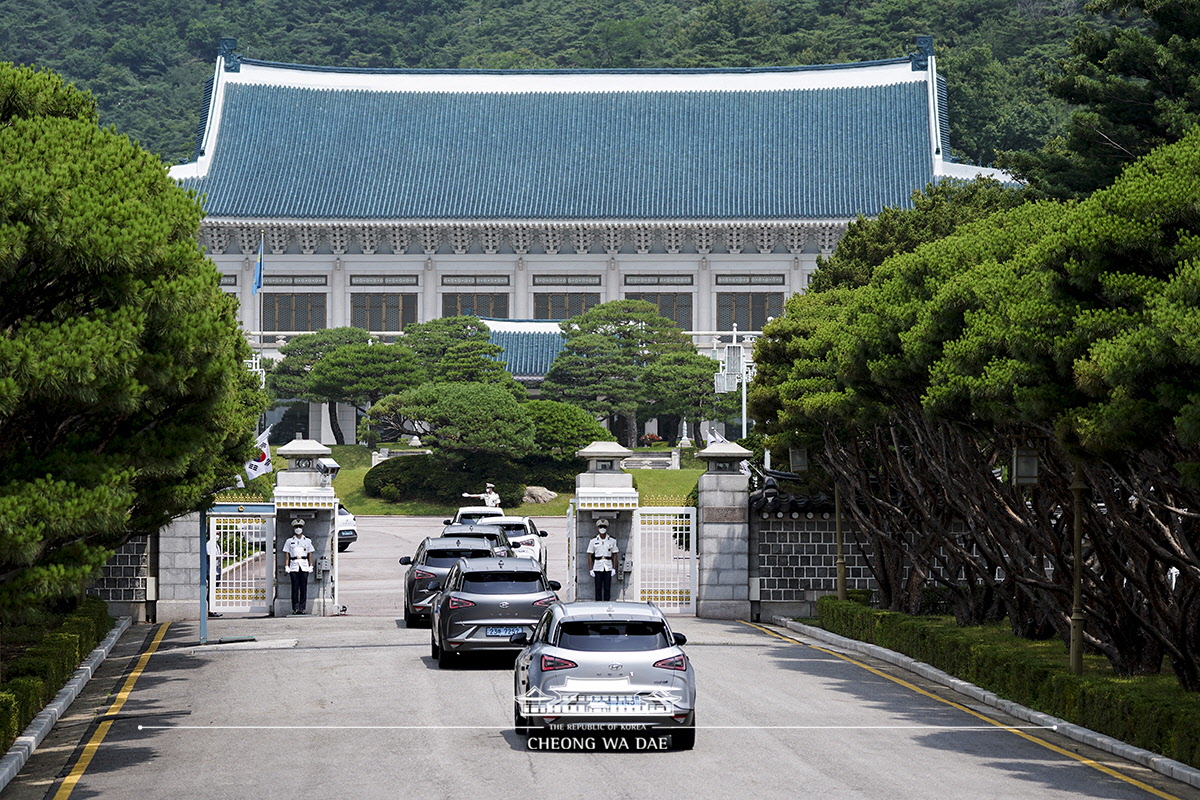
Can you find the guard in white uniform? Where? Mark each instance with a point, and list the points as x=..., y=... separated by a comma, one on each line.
x=604, y=559
x=298, y=551
x=488, y=496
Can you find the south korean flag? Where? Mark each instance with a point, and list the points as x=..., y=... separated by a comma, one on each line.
x=260, y=464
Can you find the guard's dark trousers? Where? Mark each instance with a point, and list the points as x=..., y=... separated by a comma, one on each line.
x=603, y=585
x=299, y=591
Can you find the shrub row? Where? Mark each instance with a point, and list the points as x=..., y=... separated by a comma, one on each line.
x=1158, y=722
x=32, y=680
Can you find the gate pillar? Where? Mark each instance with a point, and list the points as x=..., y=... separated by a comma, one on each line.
x=723, y=534
x=603, y=492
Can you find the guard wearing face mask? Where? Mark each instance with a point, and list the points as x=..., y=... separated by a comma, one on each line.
x=604, y=558
x=298, y=551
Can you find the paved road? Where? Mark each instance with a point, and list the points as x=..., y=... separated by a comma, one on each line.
x=354, y=707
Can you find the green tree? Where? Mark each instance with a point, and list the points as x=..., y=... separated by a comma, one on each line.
x=936, y=212
x=559, y=431
x=362, y=374
x=591, y=372
x=432, y=341
x=288, y=378
x=680, y=386
x=124, y=400
x=607, y=349
x=1135, y=89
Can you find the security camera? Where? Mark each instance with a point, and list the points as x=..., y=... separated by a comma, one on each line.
x=327, y=466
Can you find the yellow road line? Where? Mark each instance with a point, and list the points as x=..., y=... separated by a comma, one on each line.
x=1087, y=761
x=89, y=750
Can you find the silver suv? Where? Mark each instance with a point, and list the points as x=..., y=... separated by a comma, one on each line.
x=605, y=666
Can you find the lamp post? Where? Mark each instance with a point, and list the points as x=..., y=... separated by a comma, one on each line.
x=1077, y=488
x=737, y=369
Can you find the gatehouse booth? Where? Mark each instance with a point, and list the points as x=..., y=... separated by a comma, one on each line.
x=304, y=490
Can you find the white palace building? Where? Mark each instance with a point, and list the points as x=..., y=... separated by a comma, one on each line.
x=386, y=197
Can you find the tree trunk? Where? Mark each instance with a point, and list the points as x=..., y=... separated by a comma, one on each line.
x=334, y=426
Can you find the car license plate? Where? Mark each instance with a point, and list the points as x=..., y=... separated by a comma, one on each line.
x=508, y=630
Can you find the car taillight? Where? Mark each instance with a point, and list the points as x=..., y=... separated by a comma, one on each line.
x=523, y=542
x=421, y=575
x=458, y=602
x=545, y=601
x=678, y=662
x=551, y=663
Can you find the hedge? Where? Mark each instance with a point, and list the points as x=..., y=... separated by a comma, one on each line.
x=1117, y=707
x=32, y=680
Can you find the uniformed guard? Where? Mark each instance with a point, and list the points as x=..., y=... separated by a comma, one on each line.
x=604, y=558
x=488, y=496
x=298, y=551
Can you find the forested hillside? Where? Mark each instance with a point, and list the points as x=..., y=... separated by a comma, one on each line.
x=146, y=60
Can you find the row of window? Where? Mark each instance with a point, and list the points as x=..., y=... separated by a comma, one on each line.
x=391, y=312
x=502, y=280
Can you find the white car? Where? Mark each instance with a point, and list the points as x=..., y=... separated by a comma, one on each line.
x=347, y=528
x=469, y=515
x=524, y=535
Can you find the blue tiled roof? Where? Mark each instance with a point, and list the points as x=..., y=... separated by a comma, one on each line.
x=286, y=152
x=528, y=354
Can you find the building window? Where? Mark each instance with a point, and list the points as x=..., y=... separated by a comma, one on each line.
x=474, y=280
x=675, y=307
x=566, y=280
x=293, y=312
x=382, y=312
x=294, y=280
x=383, y=280
x=475, y=304
x=658, y=280
x=743, y=280
x=561, y=305
x=748, y=310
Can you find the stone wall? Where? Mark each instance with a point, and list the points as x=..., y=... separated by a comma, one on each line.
x=123, y=580
x=796, y=562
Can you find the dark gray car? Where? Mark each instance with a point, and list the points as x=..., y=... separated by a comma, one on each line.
x=484, y=601
x=501, y=546
x=605, y=666
x=432, y=562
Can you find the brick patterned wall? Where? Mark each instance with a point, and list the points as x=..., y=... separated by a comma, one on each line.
x=799, y=556
x=123, y=578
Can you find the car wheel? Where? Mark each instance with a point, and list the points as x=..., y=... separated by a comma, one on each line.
x=434, y=650
x=685, y=738
x=444, y=658
x=410, y=619
x=519, y=722
x=343, y=547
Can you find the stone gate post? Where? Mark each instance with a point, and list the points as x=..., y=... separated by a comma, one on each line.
x=723, y=534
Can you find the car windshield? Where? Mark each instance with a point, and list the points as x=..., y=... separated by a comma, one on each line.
x=446, y=558
x=608, y=635
x=503, y=582
x=471, y=519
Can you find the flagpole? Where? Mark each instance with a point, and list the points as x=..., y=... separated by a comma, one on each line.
x=258, y=276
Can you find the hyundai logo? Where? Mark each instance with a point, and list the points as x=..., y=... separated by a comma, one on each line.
x=504, y=604
x=615, y=667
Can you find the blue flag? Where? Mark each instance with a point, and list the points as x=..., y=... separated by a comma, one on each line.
x=258, y=268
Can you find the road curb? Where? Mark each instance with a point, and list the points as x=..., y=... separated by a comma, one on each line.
x=35, y=733
x=1160, y=764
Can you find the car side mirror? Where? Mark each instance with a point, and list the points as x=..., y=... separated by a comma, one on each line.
x=543, y=534
x=680, y=640
x=406, y=560
x=445, y=522
x=521, y=638
x=554, y=585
